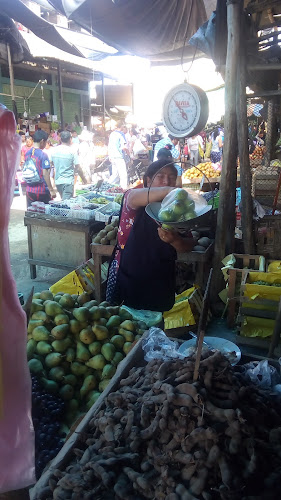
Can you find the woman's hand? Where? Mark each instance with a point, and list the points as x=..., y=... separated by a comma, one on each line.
x=168, y=236
x=172, y=237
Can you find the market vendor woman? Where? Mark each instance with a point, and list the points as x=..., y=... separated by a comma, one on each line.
x=142, y=271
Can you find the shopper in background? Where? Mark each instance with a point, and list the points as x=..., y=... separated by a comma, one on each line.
x=86, y=157
x=194, y=143
x=173, y=141
x=117, y=148
x=65, y=162
x=42, y=190
x=216, y=151
x=75, y=138
x=26, y=145
x=173, y=144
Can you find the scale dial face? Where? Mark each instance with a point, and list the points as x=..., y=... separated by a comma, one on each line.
x=185, y=110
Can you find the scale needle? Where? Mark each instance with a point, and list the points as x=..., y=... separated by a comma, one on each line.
x=182, y=112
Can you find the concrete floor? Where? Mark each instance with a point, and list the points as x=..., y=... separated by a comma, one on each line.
x=19, y=254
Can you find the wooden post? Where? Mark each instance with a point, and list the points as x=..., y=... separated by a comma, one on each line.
x=60, y=95
x=228, y=175
x=243, y=147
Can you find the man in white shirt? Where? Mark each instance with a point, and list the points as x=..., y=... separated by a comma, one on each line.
x=117, y=147
x=193, y=146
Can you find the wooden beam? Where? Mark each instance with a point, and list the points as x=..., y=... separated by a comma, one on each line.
x=227, y=186
x=243, y=149
x=262, y=5
x=265, y=93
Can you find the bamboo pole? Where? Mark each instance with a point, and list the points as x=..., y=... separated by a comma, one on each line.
x=269, y=132
x=227, y=186
x=243, y=148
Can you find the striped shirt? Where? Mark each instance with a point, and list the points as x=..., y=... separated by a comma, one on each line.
x=42, y=162
x=161, y=144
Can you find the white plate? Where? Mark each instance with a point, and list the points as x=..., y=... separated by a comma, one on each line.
x=223, y=345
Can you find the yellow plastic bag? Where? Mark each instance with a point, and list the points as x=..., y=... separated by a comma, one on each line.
x=69, y=284
x=257, y=327
x=274, y=267
x=181, y=314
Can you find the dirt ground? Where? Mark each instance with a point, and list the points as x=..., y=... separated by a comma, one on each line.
x=19, y=254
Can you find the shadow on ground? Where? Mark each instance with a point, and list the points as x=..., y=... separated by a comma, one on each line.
x=19, y=254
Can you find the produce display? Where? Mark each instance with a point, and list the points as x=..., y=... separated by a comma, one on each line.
x=202, y=244
x=99, y=201
x=74, y=346
x=176, y=206
x=118, y=198
x=207, y=169
x=258, y=153
x=265, y=283
x=162, y=436
x=108, y=235
x=47, y=416
x=116, y=189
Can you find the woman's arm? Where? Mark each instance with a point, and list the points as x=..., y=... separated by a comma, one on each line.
x=220, y=142
x=140, y=198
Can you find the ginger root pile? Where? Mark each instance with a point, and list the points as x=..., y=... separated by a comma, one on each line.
x=161, y=436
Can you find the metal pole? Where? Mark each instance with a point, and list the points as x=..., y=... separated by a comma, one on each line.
x=103, y=99
x=12, y=83
x=60, y=95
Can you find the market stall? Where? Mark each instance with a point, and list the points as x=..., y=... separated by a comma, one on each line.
x=51, y=227
x=48, y=241
x=192, y=421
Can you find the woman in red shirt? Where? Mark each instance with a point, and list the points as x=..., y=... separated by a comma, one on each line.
x=142, y=270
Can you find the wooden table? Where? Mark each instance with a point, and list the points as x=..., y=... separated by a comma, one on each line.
x=104, y=252
x=99, y=253
x=58, y=242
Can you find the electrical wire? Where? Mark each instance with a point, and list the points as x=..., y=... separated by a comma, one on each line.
x=183, y=47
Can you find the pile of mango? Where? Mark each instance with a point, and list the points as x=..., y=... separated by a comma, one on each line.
x=75, y=345
x=207, y=169
x=108, y=235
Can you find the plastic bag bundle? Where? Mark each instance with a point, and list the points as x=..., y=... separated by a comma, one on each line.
x=16, y=430
x=158, y=346
x=181, y=205
x=262, y=374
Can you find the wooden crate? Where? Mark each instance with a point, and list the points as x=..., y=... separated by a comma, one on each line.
x=236, y=274
x=268, y=236
x=65, y=455
x=249, y=307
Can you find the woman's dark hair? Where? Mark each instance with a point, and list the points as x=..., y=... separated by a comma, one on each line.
x=155, y=167
x=165, y=153
x=216, y=133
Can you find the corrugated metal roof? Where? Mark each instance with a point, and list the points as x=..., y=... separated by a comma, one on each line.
x=43, y=50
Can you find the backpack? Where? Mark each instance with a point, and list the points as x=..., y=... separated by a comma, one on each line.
x=29, y=172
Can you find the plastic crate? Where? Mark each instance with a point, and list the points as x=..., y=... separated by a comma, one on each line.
x=104, y=213
x=70, y=213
